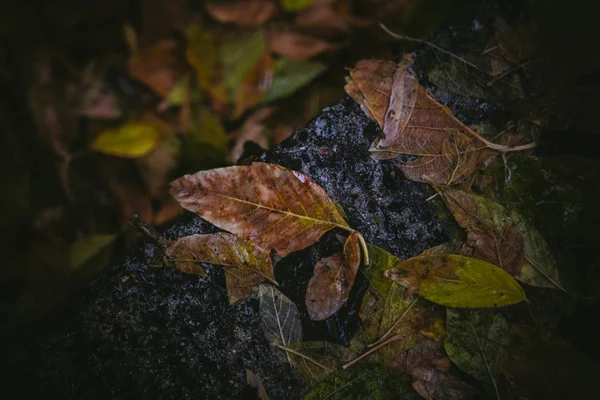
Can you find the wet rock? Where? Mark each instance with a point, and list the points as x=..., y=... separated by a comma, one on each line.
x=139, y=331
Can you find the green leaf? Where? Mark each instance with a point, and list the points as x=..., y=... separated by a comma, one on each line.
x=178, y=94
x=314, y=361
x=290, y=76
x=88, y=247
x=457, y=281
x=365, y=381
x=280, y=317
x=295, y=5
x=239, y=56
x=132, y=140
x=206, y=143
x=477, y=341
x=381, y=261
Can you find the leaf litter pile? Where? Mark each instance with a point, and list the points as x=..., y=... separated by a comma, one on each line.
x=461, y=320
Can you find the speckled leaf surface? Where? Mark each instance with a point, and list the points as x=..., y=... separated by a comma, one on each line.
x=279, y=315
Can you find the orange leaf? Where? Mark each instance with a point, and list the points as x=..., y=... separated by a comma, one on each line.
x=246, y=13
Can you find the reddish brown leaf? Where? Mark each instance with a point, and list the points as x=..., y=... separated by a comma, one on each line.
x=329, y=287
x=158, y=67
x=246, y=13
x=428, y=365
x=274, y=207
x=370, y=85
x=322, y=20
x=297, y=46
x=240, y=283
x=352, y=252
x=252, y=130
x=256, y=84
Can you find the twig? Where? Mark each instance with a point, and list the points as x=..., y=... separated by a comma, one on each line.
x=374, y=349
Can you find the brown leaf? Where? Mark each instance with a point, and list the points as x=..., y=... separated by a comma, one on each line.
x=329, y=287
x=253, y=380
x=234, y=253
x=416, y=124
x=322, y=20
x=158, y=67
x=297, y=46
x=252, y=130
x=240, y=283
x=427, y=363
x=256, y=84
x=272, y=206
x=370, y=85
x=245, y=13
x=352, y=252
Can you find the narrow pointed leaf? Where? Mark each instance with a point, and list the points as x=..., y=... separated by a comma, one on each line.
x=362, y=382
x=477, y=341
x=314, y=361
x=457, y=281
x=279, y=315
x=272, y=206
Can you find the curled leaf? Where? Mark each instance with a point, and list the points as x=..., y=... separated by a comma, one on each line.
x=281, y=321
x=329, y=287
x=476, y=342
x=245, y=13
x=457, y=281
x=272, y=206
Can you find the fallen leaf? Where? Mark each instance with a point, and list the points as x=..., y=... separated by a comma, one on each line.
x=156, y=166
x=253, y=380
x=295, y=5
x=364, y=381
x=244, y=13
x=320, y=19
x=280, y=318
x=240, y=282
x=205, y=144
x=457, y=281
x=252, y=200
x=297, y=46
x=370, y=85
x=252, y=130
x=476, y=342
x=221, y=248
x=329, y=287
x=132, y=140
x=351, y=253
x=158, y=67
x=429, y=366
x=381, y=261
x=503, y=238
x=88, y=247
x=256, y=84
x=314, y=361
x=290, y=76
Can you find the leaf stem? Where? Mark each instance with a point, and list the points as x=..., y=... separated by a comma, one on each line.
x=374, y=349
x=288, y=350
x=365, y=249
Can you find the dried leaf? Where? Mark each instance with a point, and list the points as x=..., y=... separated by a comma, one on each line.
x=290, y=76
x=240, y=282
x=280, y=317
x=503, y=238
x=365, y=381
x=320, y=19
x=156, y=166
x=158, y=67
x=253, y=380
x=457, y=281
x=476, y=342
x=256, y=84
x=329, y=287
x=370, y=85
x=351, y=253
x=245, y=13
x=314, y=361
x=252, y=130
x=221, y=249
x=427, y=363
x=272, y=206
x=297, y=46
x=132, y=140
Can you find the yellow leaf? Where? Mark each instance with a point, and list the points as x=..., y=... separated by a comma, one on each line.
x=133, y=140
x=83, y=250
x=457, y=281
x=295, y=5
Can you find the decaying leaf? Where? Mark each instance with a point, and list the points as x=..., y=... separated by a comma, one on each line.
x=255, y=85
x=158, y=67
x=314, y=361
x=476, y=342
x=351, y=253
x=253, y=380
x=322, y=20
x=279, y=315
x=370, y=85
x=502, y=238
x=245, y=13
x=457, y=281
x=239, y=283
x=329, y=287
x=429, y=366
x=272, y=206
x=132, y=140
x=290, y=76
x=364, y=381
x=297, y=46
x=232, y=252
